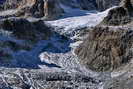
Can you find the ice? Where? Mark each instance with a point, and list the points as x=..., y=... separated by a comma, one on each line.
x=74, y=19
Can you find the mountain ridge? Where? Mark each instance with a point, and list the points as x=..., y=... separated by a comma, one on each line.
x=66, y=44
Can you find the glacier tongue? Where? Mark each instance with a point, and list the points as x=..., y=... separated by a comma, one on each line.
x=56, y=54
x=72, y=21
x=69, y=25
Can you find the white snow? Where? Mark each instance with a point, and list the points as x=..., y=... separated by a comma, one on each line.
x=76, y=18
x=8, y=12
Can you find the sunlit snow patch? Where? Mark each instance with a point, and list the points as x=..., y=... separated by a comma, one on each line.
x=75, y=18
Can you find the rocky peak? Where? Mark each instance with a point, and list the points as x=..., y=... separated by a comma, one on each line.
x=37, y=8
x=128, y=4
x=52, y=9
x=106, y=48
x=120, y=15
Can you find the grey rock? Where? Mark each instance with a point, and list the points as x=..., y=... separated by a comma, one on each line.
x=21, y=34
x=120, y=15
x=23, y=29
x=105, y=4
x=38, y=79
x=106, y=48
x=50, y=9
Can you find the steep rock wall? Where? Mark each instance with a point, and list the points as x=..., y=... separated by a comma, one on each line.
x=106, y=48
x=120, y=15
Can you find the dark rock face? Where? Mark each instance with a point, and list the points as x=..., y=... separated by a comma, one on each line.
x=105, y=4
x=21, y=30
x=10, y=4
x=52, y=9
x=106, y=48
x=91, y=4
x=120, y=15
x=117, y=16
x=36, y=8
x=2, y=1
x=120, y=82
x=87, y=4
x=100, y=5
x=24, y=6
x=13, y=4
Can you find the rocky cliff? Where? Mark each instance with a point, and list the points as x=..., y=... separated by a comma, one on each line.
x=104, y=4
x=106, y=48
x=41, y=8
x=35, y=8
x=120, y=15
x=105, y=38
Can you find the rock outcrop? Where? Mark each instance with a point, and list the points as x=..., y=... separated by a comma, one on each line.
x=20, y=34
x=13, y=4
x=120, y=15
x=87, y=4
x=23, y=29
x=91, y=4
x=106, y=48
x=105, y=4
x=50, y=9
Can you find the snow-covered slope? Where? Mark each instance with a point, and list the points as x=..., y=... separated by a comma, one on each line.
x=75, y=19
